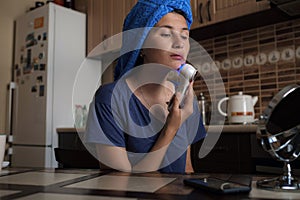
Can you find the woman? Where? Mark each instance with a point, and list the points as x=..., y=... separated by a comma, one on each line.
x=130, y=124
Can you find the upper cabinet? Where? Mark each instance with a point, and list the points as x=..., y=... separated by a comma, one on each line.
x=207, y=12
x=105, y=19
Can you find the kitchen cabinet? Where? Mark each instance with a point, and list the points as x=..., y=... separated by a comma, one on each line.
x=71, y=152
x=237, y=151
x=228, y=9
x=231, y=154
x=105, y=19
x=206, y=12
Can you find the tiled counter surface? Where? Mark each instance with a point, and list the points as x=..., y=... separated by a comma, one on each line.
x=110, y=185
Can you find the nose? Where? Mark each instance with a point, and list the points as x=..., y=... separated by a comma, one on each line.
x=178, y=42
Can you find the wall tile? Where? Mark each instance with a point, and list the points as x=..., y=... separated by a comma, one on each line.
x=263, y=80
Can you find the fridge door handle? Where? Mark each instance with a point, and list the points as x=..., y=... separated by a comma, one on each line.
x=11, y=87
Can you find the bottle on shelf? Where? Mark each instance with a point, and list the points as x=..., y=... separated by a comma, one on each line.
x=78, y=116
x=84, y=116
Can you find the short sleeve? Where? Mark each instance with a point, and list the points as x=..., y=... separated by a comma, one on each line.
x=102, y=127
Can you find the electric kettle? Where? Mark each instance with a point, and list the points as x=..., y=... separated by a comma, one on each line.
x=240, y=108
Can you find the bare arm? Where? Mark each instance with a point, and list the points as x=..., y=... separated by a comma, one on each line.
x=116, y=157
x=189, y=166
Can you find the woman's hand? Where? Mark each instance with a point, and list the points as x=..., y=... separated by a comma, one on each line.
x=178, y=115
x=188, y=108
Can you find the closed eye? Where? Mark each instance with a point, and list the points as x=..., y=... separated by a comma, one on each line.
x=184, y=37
x=165, y=34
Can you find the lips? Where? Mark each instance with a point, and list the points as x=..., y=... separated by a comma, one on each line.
x=177, y=57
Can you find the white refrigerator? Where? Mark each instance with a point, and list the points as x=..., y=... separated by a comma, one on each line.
x=50, y=45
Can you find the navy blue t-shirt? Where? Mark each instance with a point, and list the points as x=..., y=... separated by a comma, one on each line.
x=118, y=118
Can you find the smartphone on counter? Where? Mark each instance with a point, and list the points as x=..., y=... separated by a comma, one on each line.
x=235, y=184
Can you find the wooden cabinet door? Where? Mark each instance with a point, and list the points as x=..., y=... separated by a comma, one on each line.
x=195, y=11
x=206, y=12
x=105, y=19
x=118, y=17
x=231, y=154
x=97, y=30
x=228, y=9
x=203, y=13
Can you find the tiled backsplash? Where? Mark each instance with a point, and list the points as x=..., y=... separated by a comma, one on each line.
x=259, y=61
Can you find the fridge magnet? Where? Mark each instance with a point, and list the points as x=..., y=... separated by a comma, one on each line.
x=35, y=67
x=39, y=79
x=42, y=67
x=27, y=69
x=30, y=40
x=33, y=89
x=39, y=22
x=44, y=36
x=35, y=60
x=41, y=55
x=41, y=90
x=29, y=37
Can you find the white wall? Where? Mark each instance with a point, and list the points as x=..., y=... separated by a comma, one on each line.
x=9, y=11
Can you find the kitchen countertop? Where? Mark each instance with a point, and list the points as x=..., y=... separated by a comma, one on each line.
x=233, y=128
x=69, y=130
x=79, y=184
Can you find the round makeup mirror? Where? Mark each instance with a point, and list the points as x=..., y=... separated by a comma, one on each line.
x=279, y=134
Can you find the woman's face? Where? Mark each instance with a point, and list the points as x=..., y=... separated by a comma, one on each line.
x=168, y=42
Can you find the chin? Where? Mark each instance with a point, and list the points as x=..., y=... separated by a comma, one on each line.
x=173, y=64
x=176, y=65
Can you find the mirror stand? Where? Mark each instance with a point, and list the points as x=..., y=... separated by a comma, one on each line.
x=284, y=182
x=279, y=135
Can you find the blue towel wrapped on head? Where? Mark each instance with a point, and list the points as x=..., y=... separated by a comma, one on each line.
x=145, y=14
